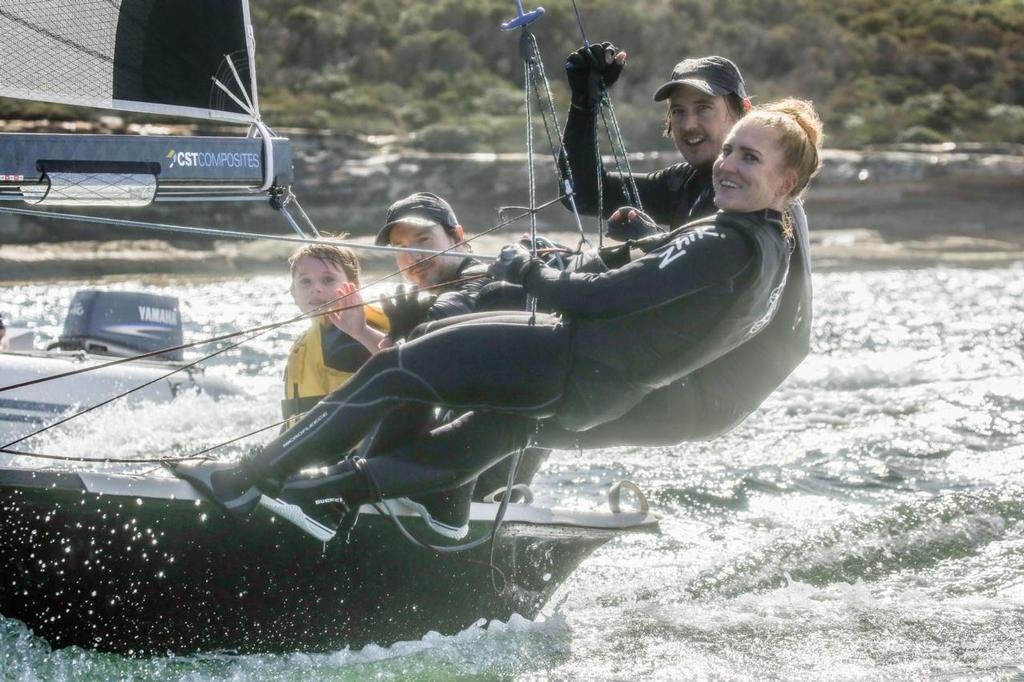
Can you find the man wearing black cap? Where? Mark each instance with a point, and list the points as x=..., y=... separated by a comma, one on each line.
x=706, y=96
x=458, y=280
x=426, y=221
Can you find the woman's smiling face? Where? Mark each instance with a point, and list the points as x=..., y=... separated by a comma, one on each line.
x=750, y=174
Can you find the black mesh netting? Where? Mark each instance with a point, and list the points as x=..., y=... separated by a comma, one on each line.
x=148, y=55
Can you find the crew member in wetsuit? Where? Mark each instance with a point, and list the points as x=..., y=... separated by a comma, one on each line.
x=706, y=96
x=714, y=286
x=426, y=221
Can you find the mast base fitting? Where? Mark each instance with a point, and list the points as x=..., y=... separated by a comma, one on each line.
x=279, y=197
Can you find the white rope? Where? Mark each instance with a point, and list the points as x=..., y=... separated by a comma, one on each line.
x=268, y=155
x=226, y=234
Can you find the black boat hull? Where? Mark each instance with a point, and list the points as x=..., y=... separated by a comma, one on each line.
x=140, y=566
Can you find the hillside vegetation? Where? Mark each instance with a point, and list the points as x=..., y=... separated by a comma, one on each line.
x=441, y=76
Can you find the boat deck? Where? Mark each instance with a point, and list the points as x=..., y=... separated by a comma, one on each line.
x=140, y=564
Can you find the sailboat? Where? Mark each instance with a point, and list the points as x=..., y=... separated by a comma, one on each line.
x=186, y=58
x=140, y=564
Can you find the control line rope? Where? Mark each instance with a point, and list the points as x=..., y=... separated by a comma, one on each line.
x=273, y=325
x=255, y=332
x=616, y=143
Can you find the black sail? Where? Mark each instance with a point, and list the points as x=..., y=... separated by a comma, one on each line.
x=156, y=56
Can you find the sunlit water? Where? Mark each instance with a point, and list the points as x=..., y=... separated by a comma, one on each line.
x=866, y=523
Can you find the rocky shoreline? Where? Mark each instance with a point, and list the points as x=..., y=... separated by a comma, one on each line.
x=891, y=207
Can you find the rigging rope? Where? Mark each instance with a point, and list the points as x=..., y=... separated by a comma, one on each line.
x=255, y=331
x=579, y=23
x=618, y=146
x=536, y=84
x=273, y=325
x=156, y=460
x=530, y=175
x=258, y=332
x=64, y=420
x=616, y=143
x=546, y=103
x=230, y=234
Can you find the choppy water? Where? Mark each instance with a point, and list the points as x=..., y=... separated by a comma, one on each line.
x=866, y=523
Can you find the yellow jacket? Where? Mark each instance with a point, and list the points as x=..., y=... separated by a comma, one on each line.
x=322, y=359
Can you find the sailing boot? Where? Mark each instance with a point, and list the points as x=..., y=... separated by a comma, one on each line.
x=445, y=512
x=234, y=487
x=321, y=504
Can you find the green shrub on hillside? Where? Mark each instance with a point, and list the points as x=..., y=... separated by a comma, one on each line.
x=879, y=71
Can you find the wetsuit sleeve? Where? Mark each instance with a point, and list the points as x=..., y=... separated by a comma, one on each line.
x=341, y=352
x=451, y=303
x=692, y=261
x=458, y=302
x=578, y=140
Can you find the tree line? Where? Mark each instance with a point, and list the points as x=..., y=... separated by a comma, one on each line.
x=440, y=76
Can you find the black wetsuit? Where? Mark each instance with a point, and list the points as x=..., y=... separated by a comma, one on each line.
x=460, y=298
x=671, y=196
x=623, y=335
x=702, y=405
x=409, y=422
x=719, y=396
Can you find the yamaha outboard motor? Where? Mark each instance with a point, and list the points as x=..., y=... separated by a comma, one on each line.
x=122, y=323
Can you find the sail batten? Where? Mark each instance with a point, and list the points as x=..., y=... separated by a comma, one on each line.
x=149, y=56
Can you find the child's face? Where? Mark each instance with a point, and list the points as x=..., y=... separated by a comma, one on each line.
x=315, y=282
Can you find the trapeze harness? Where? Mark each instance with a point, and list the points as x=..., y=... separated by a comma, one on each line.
x=322, y=359
x=622, y=335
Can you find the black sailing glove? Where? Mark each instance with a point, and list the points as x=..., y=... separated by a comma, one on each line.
x=614, y=256
x=586, y=68
x=513, y=265
x=551, y=253
x=405, y=309
x=631, y=223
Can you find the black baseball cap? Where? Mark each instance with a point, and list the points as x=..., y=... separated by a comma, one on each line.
x=716, y=76
x=422, y=208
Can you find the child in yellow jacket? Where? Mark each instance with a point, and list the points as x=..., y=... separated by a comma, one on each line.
x=337, y=344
